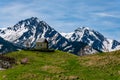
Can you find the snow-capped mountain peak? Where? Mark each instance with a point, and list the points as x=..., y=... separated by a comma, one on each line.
x=27, y=27
x=83, y=28
x=85, y=39
x=94, y=39
x=32, y=29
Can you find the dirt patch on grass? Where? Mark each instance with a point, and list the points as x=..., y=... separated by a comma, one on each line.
x=119, y=72
x=28, y=76
x=52, y=69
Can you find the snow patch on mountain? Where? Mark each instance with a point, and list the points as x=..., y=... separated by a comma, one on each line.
x=117, y=48
x=12, y=34
x=107, y=44
x=66, y=35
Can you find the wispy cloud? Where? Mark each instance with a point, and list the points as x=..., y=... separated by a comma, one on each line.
x=103, y=14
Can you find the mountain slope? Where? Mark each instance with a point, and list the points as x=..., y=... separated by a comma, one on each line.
x=94, y=39
x=6, y=46
x=29, y=30
x=60, y=65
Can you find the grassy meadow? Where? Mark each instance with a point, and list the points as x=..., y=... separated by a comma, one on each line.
x=60, y=65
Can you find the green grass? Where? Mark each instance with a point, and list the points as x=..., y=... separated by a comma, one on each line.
x=63, y=66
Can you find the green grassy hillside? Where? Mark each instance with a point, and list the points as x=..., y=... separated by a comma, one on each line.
x=63, y=66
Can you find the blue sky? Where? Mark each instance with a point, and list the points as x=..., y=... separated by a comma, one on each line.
x=65, y=15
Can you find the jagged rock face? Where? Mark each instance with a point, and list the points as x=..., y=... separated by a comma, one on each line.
x=94, y=39
x=31, y=29
x=115, y=43
x=87, y=50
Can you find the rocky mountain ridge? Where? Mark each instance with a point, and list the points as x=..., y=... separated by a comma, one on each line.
x=82, y=40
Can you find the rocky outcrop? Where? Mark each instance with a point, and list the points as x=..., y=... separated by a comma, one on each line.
x=6, y=62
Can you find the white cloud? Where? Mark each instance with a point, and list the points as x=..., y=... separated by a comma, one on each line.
x=103, y=14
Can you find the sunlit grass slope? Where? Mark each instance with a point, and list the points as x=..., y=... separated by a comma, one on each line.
x=63, y=66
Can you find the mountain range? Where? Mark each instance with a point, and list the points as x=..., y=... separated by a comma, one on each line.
x=92, y=38
x=80, y=42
